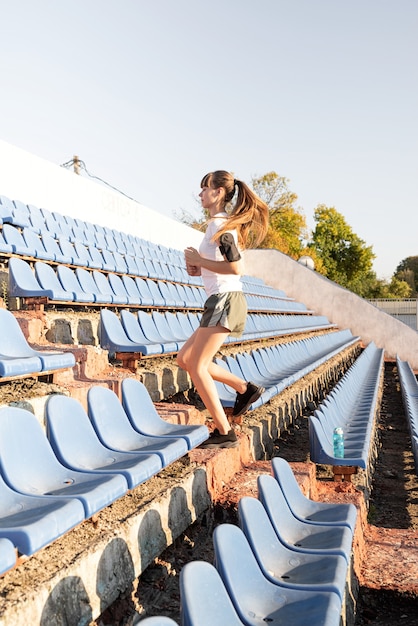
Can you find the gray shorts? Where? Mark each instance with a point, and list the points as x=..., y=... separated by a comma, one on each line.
x=226, y=309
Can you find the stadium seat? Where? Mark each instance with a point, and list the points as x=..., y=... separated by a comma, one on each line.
x=114, y=338
x=49, y=281
x=30, y=466
x=32, y=522
x=115, y=431
x=118, y=287
x=303, y=508
x=298, y=535
x=134, y=332
x=77, y=446
x=104, y=287
x=88, y=284
x=204, y=598
x=70, y=282
x=13, y=346
x=256, y=599
x=152, y=333
x=145, y=419
x=284, y=565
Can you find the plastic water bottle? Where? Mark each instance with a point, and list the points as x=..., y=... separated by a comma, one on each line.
x=338, y=439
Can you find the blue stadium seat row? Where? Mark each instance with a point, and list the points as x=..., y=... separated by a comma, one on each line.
x=409, y=389
x=278, y=565
x=352, y=405
x=50, y=482
x=81, y=286
x=18, y=358
x=281, y=365
x=161, y=332
x=50, y=236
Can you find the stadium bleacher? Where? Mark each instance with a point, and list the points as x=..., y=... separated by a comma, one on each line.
x=289, y=556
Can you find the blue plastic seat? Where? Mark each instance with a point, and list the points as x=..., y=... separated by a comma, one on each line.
x=158, y=298
x=134, y=332
x=144, y=291
x=116, y=432
x=298, y=535
x=171, y=299
x=303, y=508
x=49, y=281
x=68, y=250
x=132, y=290
x=145, y=419
x=104, y=287
x=113, y=336
x=284, y=565
x=50, y=244
x=35, y=243
x=118, y=287
x=256, y=599
x=14, y=238
x=166, y=331
x=95, y=259
x=6, y=210
x=204, y=598
x=32, y=522
x=13, y=345
x=151, y=332
x=88, y=284
x=23, y=283
x=70, y=282
x=7, y=555
x=77, y=446
x=30, y=466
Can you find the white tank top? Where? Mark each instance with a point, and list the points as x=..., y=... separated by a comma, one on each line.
x=213, y=282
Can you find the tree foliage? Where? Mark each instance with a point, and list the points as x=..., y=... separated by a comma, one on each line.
x=407, y=271
x=287, y=226
x=347, y=259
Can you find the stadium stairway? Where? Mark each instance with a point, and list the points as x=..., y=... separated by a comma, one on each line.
x=74, y=579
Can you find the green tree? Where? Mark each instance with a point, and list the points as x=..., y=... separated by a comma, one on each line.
x=346, y=258
x=287, y=227
x=407, y=270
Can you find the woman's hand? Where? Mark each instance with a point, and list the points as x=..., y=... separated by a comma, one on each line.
x=192, y=257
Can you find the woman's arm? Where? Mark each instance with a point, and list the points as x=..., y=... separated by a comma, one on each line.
x=193, y=258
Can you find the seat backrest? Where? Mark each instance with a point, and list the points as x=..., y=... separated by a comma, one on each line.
x=48, y=279
x=200, y=584
x=70, y=282
x=109, y=417
x=27, y=461
x=132, y=328
x=22, y=280
x=112, y=334
x=138, y=405
x=273, y=500
x=12, y=340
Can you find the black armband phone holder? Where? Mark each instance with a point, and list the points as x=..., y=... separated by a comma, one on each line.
x=228, y=247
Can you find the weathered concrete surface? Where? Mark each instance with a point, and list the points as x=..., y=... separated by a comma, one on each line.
x=342, y=307
x=87, y=581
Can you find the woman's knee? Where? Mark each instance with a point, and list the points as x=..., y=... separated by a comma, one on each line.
x=181, y=361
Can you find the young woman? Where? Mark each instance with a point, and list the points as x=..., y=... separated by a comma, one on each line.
x=219, y=262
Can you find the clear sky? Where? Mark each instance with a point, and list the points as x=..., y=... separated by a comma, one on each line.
x=152, y=94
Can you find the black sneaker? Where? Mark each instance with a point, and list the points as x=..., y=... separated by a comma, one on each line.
x=245, y=400
x=216, y=440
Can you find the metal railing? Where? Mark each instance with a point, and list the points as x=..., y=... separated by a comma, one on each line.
x=403, y=309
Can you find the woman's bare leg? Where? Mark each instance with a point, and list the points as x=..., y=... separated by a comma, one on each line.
x=196, y=357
